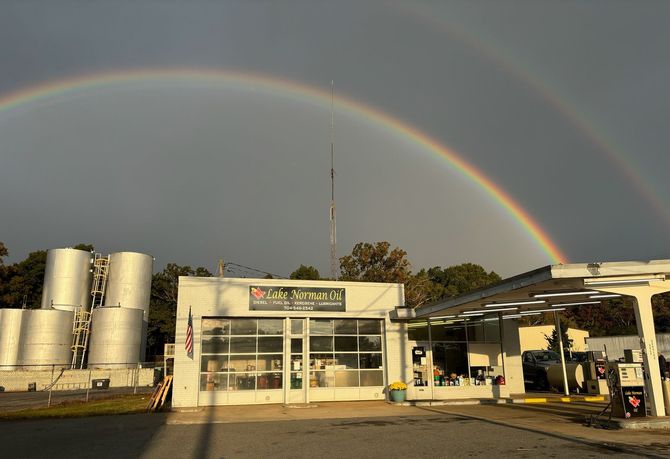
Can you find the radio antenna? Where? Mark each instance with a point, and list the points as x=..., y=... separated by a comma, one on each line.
x=333, y=225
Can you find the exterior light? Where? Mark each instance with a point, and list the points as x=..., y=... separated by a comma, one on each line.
x=500, y=309
x=514, y=303
x=513, y=316
x=551, y=295
x=624, y=281
x=580, y=303
x=443, y=317
x=546, y=310
x=472, y=314
x=609, y=295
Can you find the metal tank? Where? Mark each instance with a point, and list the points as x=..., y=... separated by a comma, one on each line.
x=67, y=279
x=129, y=286
x=116, y=337
x=46, y=338
x=10, y=337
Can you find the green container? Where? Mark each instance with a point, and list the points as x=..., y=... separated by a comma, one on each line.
x=398, y=395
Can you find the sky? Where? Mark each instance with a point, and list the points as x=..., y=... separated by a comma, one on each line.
x=562, y=106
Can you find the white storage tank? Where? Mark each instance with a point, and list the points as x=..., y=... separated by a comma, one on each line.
x=10, y=336
x=46, y=339
x=67, y=279
x=129, y=286
x=116, y=337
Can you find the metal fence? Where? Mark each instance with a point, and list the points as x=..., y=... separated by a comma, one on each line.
x=40, y=385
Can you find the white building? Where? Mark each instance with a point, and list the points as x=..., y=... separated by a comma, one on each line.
x=294, y=341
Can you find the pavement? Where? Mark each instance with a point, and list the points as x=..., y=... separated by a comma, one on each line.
x=561, y=419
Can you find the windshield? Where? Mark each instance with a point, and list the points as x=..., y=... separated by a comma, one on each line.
x=546, y=355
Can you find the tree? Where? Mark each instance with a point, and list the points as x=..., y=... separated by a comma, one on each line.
x=306, y=273
x=375, y=263
x=24, y=280
x=553, y=342
x=459, y=279
x=163, y=307
x=85, y=247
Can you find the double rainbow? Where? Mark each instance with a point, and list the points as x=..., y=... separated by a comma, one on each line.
x=245, y=81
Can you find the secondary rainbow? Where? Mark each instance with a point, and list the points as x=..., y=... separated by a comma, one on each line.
x=294, y=90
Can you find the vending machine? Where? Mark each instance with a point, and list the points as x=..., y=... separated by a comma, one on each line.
x=628, y=396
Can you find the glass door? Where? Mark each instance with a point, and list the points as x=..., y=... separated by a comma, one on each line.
x=296, y=371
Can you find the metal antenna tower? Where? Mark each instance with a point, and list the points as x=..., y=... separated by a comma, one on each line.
x=333, y=225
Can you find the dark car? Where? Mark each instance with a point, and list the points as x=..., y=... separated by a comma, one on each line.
x=535, y=365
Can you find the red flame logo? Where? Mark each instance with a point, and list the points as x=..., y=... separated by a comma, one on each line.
x=257, y=293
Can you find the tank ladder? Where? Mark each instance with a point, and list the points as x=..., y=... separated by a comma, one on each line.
x=82, y=320
x=80, y=330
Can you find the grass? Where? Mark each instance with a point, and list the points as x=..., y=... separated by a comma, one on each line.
x=125, y=404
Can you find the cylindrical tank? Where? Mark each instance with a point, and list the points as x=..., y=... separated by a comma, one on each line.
x=116, y=337
x=575, y=374
x=129, y=280
x=129, y=286
x=67, y=279
x=10, y=337
x=46, y=338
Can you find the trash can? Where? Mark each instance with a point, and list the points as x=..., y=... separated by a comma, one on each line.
x=158, y=375
x=32, y=387
x=100, y=384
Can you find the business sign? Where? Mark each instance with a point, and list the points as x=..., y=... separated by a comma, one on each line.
x=272, y=298
x=633, y=401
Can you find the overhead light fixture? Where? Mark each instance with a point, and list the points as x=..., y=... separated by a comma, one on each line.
x=623, y=281
x=472, y=314
x=545, y=310
x=609, y=295
x=514, y=308
x=514, y=303
x=551, y=295
x=530, y=313
x=443, y=317
x=579, y=303
x=512, y=316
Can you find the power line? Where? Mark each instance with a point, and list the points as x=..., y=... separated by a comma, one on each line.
x=249, y=271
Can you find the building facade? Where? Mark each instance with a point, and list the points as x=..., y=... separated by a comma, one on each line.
x=260, y=341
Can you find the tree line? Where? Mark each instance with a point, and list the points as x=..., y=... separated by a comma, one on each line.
x=21, y=284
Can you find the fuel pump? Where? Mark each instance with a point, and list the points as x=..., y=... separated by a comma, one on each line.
x=628, y=395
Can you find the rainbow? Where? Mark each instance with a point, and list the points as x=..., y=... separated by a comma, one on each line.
x=294, y=90
x=559, y=101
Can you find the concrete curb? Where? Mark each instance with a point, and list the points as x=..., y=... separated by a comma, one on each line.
x=501, y=401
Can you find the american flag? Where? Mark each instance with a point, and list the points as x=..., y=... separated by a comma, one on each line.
x=189, y=335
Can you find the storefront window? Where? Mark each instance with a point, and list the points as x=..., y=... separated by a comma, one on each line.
x=450, y=364
x=465, y=352
x=238, y=354
x=417, y=331
x=343, y=356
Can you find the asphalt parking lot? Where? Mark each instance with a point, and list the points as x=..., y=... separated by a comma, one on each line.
x=355, y=429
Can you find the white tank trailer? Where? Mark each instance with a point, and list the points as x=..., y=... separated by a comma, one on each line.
x=125, y=315
x=67, y=279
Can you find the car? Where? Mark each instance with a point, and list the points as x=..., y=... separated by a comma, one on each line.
x=535, y=366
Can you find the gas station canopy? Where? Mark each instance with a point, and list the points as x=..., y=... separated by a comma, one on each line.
x=553, y=287
x=558, y=287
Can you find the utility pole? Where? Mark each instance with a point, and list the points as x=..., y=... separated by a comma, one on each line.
x=333, y=225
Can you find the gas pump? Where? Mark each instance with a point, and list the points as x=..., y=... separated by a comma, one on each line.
x=628, y=396
x=596, y=373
